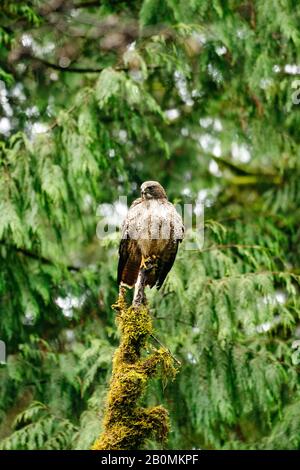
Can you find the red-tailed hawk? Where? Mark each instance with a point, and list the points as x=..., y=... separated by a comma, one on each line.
x=151, y=233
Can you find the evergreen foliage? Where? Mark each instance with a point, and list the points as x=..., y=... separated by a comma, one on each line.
x=93, y=101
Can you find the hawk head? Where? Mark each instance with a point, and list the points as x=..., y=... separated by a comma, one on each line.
x=152, y=190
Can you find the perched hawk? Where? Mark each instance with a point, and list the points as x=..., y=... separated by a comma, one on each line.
x=151, y=233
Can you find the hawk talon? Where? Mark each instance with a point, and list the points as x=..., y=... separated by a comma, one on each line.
x=147, y=263
x=148, y=267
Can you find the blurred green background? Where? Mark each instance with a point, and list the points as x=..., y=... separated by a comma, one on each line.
x=95, y=98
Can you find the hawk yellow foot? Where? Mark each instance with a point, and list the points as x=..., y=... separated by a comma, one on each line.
x=148, y=263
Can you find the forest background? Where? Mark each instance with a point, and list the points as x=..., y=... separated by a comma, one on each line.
x=95, y=98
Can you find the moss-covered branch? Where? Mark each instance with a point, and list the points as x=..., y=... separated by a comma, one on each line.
x=126, y=424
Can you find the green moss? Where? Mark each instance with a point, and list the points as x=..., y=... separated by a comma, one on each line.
x=126, y=424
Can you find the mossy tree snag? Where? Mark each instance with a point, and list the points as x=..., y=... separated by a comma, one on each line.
x=126, y=424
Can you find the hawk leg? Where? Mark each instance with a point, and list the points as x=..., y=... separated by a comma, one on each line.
x=149, y=263
x=139, y=297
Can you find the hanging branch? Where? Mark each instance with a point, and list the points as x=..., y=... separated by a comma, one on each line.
x=126, y=424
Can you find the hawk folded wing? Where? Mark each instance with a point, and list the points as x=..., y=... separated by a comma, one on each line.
x=130, y=256
x=129, y=262
x=166, y=261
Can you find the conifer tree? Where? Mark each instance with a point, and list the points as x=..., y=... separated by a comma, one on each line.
x=95, y=98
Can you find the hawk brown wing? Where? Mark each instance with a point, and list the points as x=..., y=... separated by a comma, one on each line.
x=166, y=262
x=129, y=255
x=167, y=258
x=129, y=262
